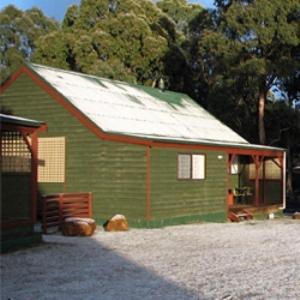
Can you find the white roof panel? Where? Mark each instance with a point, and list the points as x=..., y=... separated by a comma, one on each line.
x=117, y=107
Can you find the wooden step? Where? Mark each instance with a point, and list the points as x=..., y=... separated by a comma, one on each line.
x=238, y=215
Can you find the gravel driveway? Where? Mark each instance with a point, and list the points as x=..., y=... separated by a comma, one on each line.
x=257, y=260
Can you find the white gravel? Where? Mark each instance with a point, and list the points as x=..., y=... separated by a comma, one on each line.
x=258, y=260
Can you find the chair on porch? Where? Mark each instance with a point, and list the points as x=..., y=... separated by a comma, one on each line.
x=242, y=193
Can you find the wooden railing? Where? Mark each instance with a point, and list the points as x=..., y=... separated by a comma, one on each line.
x=57, y=207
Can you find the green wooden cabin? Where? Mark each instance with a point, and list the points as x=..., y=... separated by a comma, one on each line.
x=155, y=156
x=18, y=146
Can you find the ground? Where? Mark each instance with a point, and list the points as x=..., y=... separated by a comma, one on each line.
x=255, y=260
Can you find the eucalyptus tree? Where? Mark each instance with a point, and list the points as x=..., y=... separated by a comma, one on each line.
x=19, y=31
x=181, y=12
x=124, y=40
x=250, y=46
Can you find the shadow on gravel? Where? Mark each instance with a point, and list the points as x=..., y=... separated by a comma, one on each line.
x=65, y=268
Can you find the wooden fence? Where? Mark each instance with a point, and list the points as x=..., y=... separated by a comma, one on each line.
x=57, y=207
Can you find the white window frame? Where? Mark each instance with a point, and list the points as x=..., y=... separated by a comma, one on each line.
x=193, y=173
x=235, y=166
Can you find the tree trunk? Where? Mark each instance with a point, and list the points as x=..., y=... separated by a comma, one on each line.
x=261, y=116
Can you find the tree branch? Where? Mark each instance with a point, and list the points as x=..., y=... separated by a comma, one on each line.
x=279, y=138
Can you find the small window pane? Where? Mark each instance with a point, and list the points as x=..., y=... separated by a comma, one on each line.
x=184, y=166
x=235, y=166
x=198, y=166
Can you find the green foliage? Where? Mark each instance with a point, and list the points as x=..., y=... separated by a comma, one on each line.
x=181, y=12
x=176, y=68
x=54, y=48
x=135, y=41
x=249, y=43
x=283, y=123
x=125, y=40
x=18, y=34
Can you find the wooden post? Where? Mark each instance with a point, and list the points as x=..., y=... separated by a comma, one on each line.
x=60, y=208
x=283, y=180
x=148, y=183
x=44, y=214
x=33, y=181
x=256, y=194
x=257, y=163
x=229, y=181
x=282, y=163
x=90, y=204
x=263, y=180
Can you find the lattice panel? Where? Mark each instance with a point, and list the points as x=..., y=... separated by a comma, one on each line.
x=51, y=159
x=15, y=155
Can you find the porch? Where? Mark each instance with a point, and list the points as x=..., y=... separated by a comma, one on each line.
x=256, y=181
x=18, y=147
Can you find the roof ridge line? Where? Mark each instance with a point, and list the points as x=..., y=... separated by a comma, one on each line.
x=138, y=85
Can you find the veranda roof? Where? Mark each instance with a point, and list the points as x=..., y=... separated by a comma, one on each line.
x=9, y=119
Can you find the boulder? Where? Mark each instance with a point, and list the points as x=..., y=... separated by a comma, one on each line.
x=116, y=223
x=78, y=226
x=296, y=215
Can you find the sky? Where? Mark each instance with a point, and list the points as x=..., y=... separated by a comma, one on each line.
x=57, y=8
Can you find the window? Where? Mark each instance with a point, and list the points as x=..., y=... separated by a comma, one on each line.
x=198, y=166
x=191, y=166
x=51, y=159
x=184, y=166
x=235, y=165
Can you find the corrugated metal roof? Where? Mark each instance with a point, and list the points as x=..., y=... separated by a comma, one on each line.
x=19, y=121
x=134, y=110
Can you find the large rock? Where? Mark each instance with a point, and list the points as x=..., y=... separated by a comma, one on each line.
x=116, y=223
x=78, y=226
x=296, y=215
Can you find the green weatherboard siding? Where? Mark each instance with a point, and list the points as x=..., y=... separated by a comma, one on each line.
x=116, y=172
x=171, y=197
x=15, y=193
